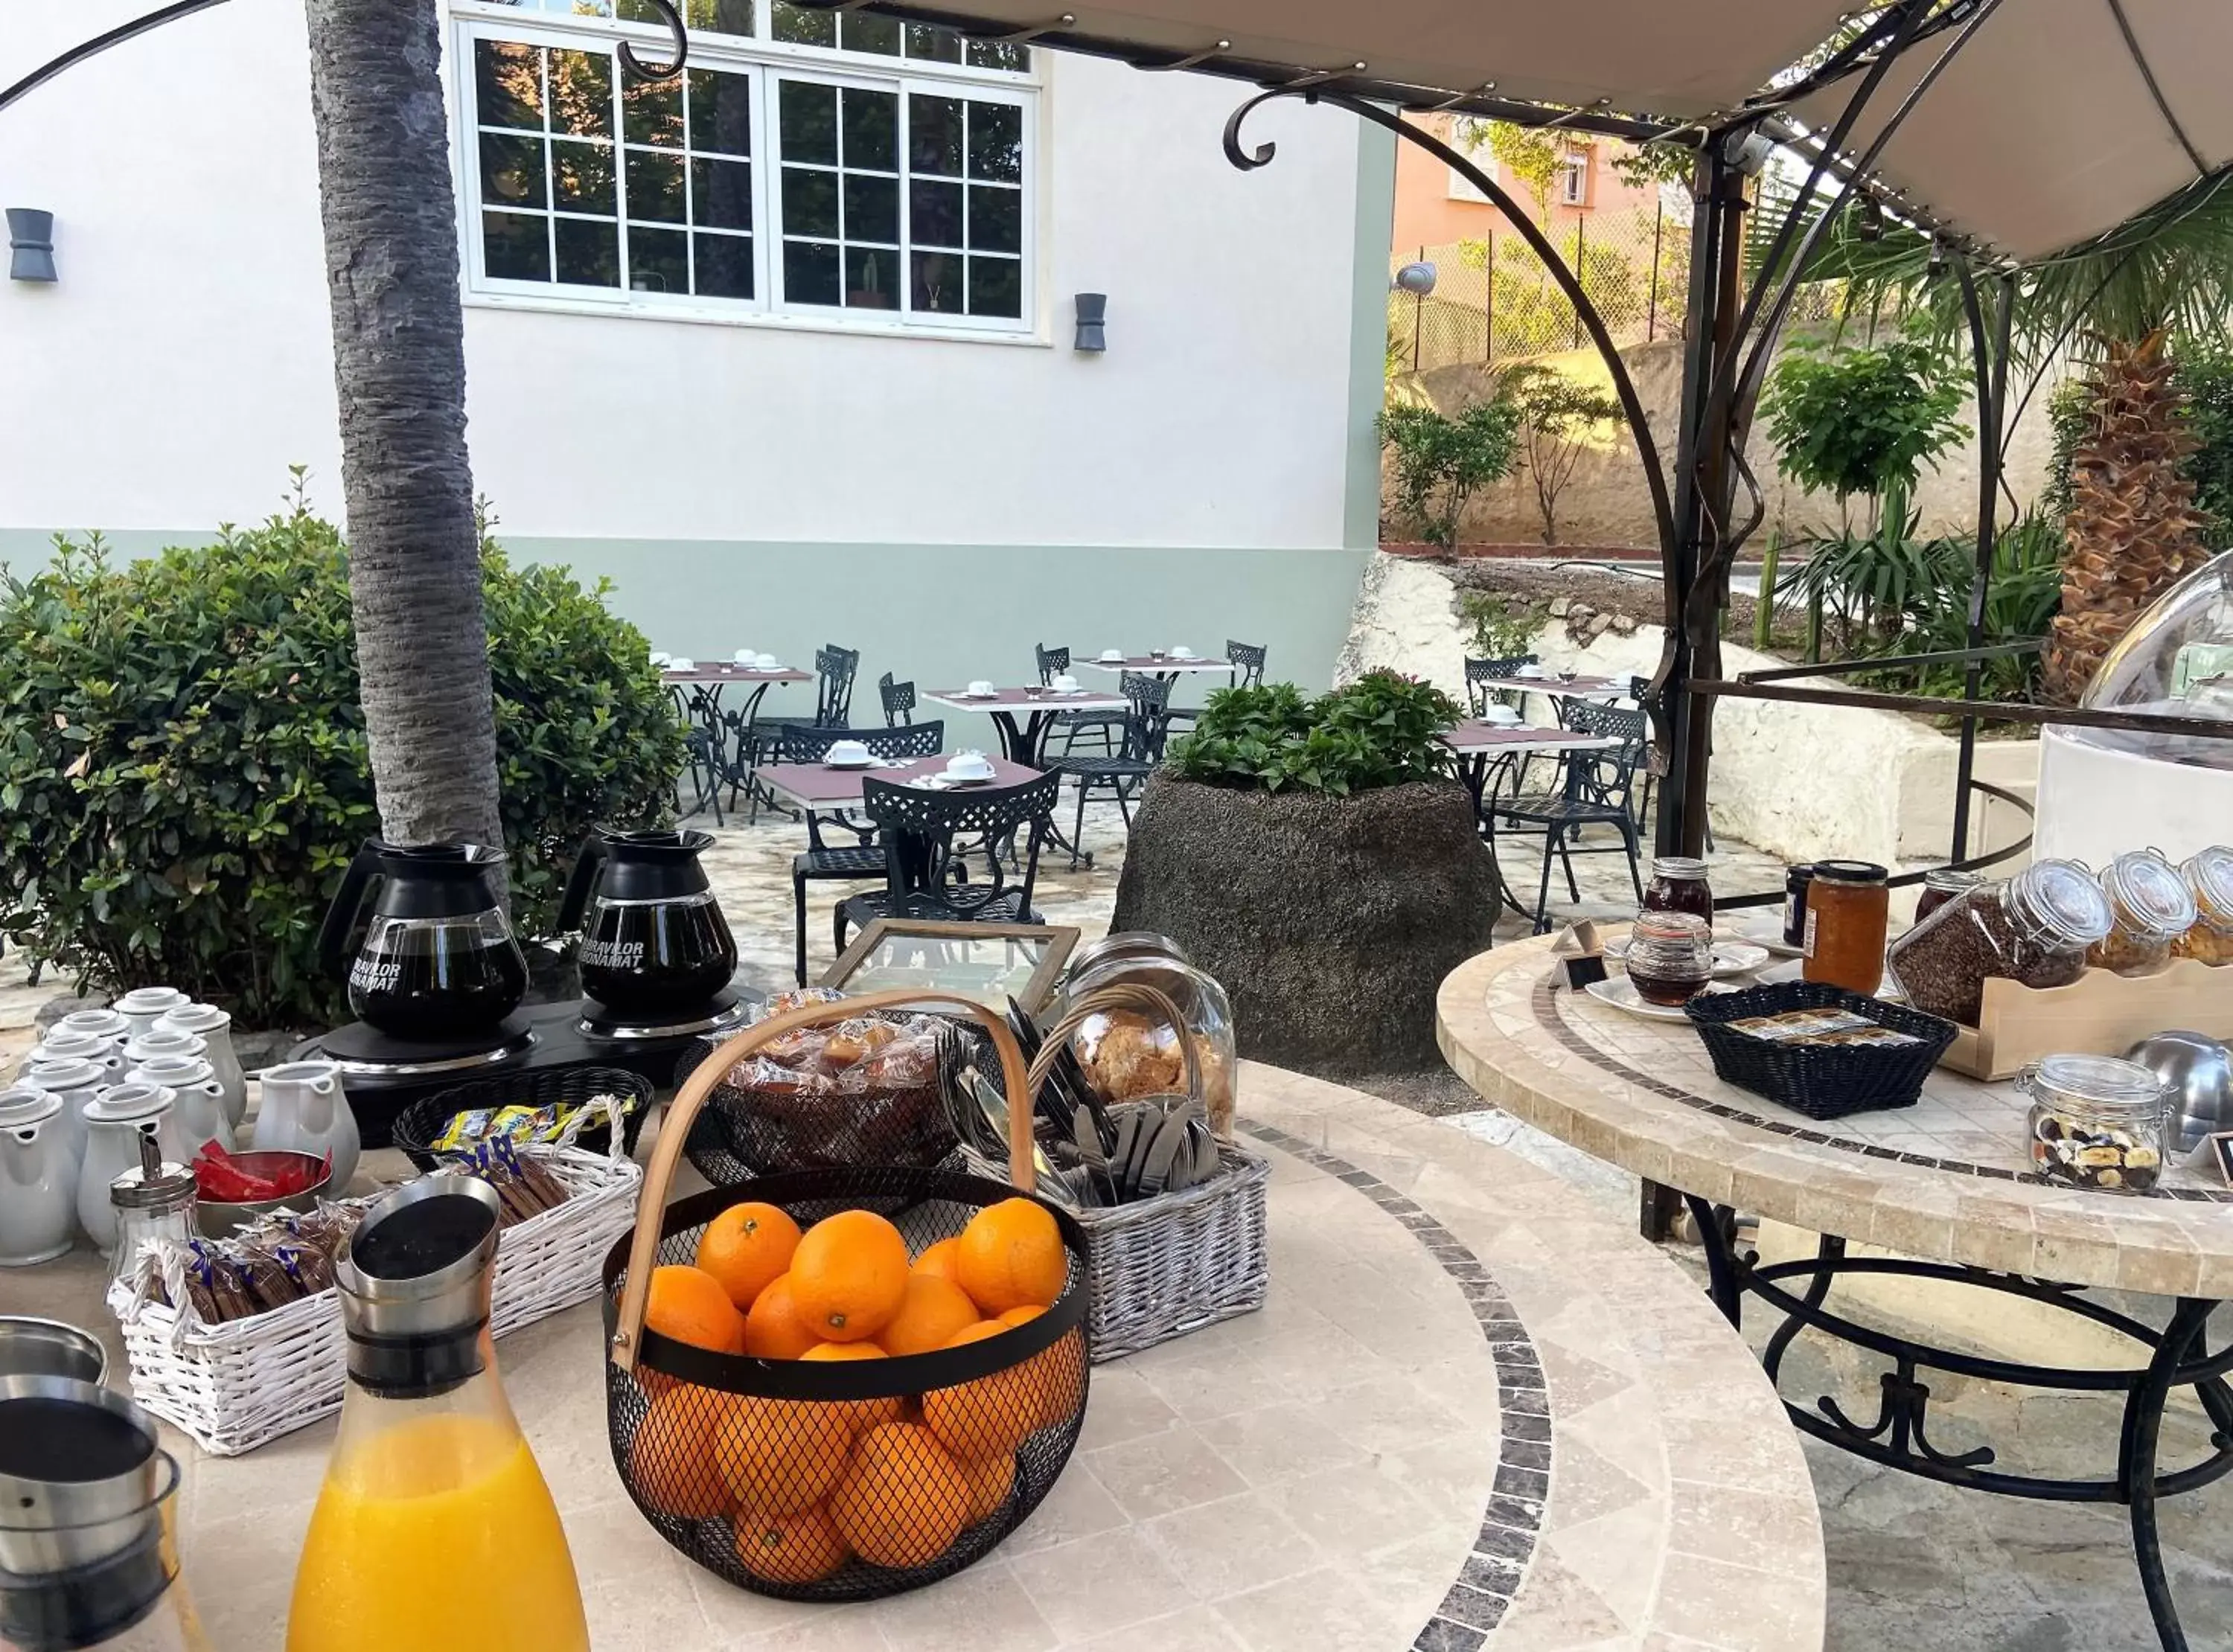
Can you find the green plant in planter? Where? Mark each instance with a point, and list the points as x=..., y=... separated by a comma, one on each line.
x=183, y=765
x=1383, y=729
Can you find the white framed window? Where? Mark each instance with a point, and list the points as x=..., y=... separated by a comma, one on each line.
x=1574, y=178
x=807, y=165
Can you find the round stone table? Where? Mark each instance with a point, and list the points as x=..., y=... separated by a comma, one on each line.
x=1945, y=1187
x=1474, y=1413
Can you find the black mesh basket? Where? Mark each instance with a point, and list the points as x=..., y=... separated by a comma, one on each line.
x=420, y=1125
x=838, y=1481
x=1821, y=1081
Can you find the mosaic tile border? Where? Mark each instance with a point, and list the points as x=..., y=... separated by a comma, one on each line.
x=1545, y=1005
x=1489, y=1581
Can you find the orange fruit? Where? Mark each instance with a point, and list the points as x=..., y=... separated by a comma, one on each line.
x=782, y=1455
x=689, y=1305
x=1022, y=1315
x=932, y=1313
x=1056, y=1378
x=747, y=1247
x=1011, y=1255
x=990, y=1480
x=989, y=1417
x=848, y=1276
x=862, y=1414
x=773, y=1328
x=902, y=1500
x=939, y=1260
x=801, y=1548
x=672, y=1459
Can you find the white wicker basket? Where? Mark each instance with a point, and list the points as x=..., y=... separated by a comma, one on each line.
x=235, y=1385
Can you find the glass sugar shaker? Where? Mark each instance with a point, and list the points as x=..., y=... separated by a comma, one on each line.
x=155, y=1201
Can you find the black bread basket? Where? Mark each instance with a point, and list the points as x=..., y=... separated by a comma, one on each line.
x=1821, y=1081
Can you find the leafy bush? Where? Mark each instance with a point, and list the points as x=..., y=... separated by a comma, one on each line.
x=1442, y=462
x=1559, y=418
x=1383, y=729
x=1501, y=627
x=184, y=771
x=1856, y=420
x=2206, y=373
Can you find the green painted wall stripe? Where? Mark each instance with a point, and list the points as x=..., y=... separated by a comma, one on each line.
x=1368, y=340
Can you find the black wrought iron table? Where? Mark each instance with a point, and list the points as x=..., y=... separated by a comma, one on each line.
x=1022, y=718
x=698, y=692
x=1938, y=1193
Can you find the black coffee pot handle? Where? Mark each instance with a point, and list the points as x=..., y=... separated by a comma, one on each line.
x=584, y=878
x=341, y=917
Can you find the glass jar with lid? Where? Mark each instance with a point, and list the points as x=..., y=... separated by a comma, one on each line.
x=1125, y=1056
x=1848, y=913
x=2034, y=928
x=1670, y=957
x=2096, y=1122
x=2152, y=907
x=1679, y=884
x=2209, y=878
x=1942, y=886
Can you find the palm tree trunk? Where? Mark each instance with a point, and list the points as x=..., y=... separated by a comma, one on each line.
x=399, y=365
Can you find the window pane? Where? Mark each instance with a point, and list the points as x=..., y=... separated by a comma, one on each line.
x=996, y=287
x=872, y=278
x=589, y=252
x=934, y=213
x=716, y=17
x=721, y=192
x=720, y=113
x=507, y=84
x=872, y=121
x=651, y=112
x=511, y=171
x=996, y=142
x=582, y=94
x=932, y=44
x=654, y=187
x=803, y=25
x=862, y=33
x=935, y=135
x=938, y=282
x=809, y=121
x=872, y=209
x=659, y=260
x=725, y=265
x=516, y=246
x=809, y=202
x=582, y=177
x=999, y=53
x=996, y=219
x=810, y=273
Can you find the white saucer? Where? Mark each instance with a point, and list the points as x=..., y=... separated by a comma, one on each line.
x=1619, y=992
x=855, y=763
x=1731, y=958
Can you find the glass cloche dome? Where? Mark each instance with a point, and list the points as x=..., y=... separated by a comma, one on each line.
x=2178, y=658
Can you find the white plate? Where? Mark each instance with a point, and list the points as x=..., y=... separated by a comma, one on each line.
x=855, y=763
x=1619, y=992
x=1731, y=958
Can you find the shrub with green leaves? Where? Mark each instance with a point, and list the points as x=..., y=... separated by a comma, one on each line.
x=1442, y=462
x=1383, y=729
x=184, y=771
x=1853, y=421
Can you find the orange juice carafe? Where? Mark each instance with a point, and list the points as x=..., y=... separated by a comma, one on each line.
x=434, y=1529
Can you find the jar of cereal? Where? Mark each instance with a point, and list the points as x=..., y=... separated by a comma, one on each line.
x=2209, y=879
x=2154, y=908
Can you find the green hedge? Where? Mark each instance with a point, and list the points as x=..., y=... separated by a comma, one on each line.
x=184, y=771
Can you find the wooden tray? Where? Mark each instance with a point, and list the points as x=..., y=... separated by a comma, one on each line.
x=2102, y=1014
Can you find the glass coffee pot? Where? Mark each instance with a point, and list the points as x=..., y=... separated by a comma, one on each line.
x=437, y=957
x=653, y=936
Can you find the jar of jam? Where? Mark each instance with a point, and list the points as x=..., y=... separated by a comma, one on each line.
x=2152, y=907
x=2209, y=879
x=1670, y=957
x=1848, y=913
x=1942, y=886
x=1796, y=881
x=1679, y=884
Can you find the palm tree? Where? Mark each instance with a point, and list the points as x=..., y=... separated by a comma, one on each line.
x=391, y=235
x=2120, y=303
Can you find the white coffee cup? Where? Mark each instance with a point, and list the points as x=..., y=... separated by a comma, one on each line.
x=1112, y=655
x=1065, y=685
x=1502, y=716
x=682, y=664
x=661, y=657
x=766, y=662
x=1181, y=652
x=1529, y=671
x=983, y=689
x=848, y=751
x=970, y=765
x=744, y=657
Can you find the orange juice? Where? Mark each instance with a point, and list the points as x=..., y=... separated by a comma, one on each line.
x=438, y=1533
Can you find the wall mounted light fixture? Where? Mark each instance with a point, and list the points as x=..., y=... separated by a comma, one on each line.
x=31, y=244
x=1416, y=279
x=1092, y=323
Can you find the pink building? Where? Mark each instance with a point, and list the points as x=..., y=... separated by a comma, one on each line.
x=1435, y=207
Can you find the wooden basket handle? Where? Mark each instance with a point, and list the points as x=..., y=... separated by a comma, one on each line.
x=1117, y=995
x=682, y=1112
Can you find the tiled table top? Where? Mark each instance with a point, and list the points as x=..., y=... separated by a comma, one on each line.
x=1944, y=1180
x=1474, y=1415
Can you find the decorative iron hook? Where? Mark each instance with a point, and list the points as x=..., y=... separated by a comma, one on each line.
x=1306, y=87
x=644, y=71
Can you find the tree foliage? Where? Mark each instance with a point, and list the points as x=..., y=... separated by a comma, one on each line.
x=1560, y=419
x=1857, y=420
x=1440, y=462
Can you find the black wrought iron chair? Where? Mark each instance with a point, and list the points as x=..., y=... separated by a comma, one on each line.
x=834, y=668
x=899, y=700
x=923, y=870
x=1595, y=788
x=1105, y=729
x=1146, y=726
x=1480, y=673
x=705, y=772
x=862, y=859
x=1247, y=661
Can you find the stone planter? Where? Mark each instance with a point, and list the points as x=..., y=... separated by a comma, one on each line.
x=1330, y=920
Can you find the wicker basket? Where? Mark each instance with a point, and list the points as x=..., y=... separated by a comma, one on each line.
x=235, y=1385
x=1824, y=1082
x=419, y=1125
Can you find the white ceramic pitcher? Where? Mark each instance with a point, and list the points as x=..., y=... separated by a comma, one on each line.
x=63, y=1044
x=158, y=1043
x=214, y=1028
x=199, y=1106
x=39, y=1171
x=77, y=1082
x=117, y=1118
x=300, y=1106
x=144, y=1006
